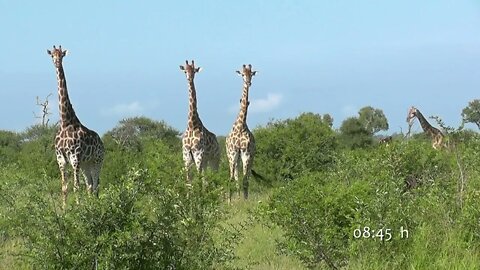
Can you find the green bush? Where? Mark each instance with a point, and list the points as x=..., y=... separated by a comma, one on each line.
x=289, y=148
x=10, y=143
x=316, y=215
x=137, y=223
x=407, y=186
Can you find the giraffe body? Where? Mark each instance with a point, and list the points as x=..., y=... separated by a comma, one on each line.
x=75, y=144
x=434, y=133
x=199, y=145
x=386, y=141
x=240, y=142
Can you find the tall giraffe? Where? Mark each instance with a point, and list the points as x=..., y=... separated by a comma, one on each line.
x=199, y=145
x=75, y=143
x=240, y=143
x=434, y=133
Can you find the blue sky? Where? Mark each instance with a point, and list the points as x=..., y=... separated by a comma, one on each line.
x=312, y=56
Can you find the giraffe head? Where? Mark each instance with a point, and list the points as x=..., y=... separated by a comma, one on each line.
x=412, y=113
x=57, y=55
x=190, y=70
x=247, y=74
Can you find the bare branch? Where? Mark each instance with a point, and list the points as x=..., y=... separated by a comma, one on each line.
x=45, y=110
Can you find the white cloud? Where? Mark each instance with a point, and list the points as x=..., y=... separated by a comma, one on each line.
x=349, y=110
x=132, y=108
x=272, y=101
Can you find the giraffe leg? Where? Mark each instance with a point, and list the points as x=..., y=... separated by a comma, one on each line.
x=76, y=183
x=233, y=163
x=247, y=166
x=87, y=173
x=61, y=165
x=76, y=175
x=200, y=164
x=188, y=161
x=439, y=141
x=434, y=142
x=237, y=180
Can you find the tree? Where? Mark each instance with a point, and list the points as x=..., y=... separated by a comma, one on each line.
x=39, y=132
x=130, y=131
x=373, y=120
x=471, y=113
x=353, y=133
x=328, y=119
x=288, y=148
x=38, y=150
x=10, y=145
x=45, y=110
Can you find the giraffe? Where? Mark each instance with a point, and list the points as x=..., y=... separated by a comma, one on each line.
x=199, y=145
x=434, y=133
x=240, y=143
x=74, y=143
x=387, y=140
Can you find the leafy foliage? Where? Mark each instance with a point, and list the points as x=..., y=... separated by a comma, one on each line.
x=471, y=113
x=338, y=183
x=328, y=119
x=373, y=120
x=130, y=131
x=139, y=223
x=9, y=146
x=286, y=149
x=357, y=132
x=354, y=135
x=407, y=186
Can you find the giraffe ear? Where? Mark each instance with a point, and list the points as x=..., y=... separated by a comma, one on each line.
x=182, y=67
x=254, y=73
x=239, y=73
x=198, y=69
x=64, y=53
x=49, y=52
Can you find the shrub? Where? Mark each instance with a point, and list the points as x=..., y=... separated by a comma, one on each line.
x=289, y=148
x=136, y=223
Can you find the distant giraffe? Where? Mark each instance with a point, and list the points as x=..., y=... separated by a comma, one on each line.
x=75, y=143
x=240, y=143
x=199, y=145
x=434, y=133
x=387, y=140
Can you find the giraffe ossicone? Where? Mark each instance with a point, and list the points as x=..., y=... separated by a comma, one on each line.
x=75, y=144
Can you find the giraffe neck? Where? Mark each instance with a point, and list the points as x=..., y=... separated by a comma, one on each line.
x=67, y=114
x=424, y=123
x=241, y=121
x=193, y=118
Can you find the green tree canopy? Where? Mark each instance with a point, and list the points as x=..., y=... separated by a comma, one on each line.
x=9, y=146
x=471, y=113
x=373, y=120
x=129, y=131
x=288, y=148
x=328, y=119
x=353, y=133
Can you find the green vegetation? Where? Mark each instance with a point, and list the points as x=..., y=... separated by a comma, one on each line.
x=471, y=113
x=329, y=200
